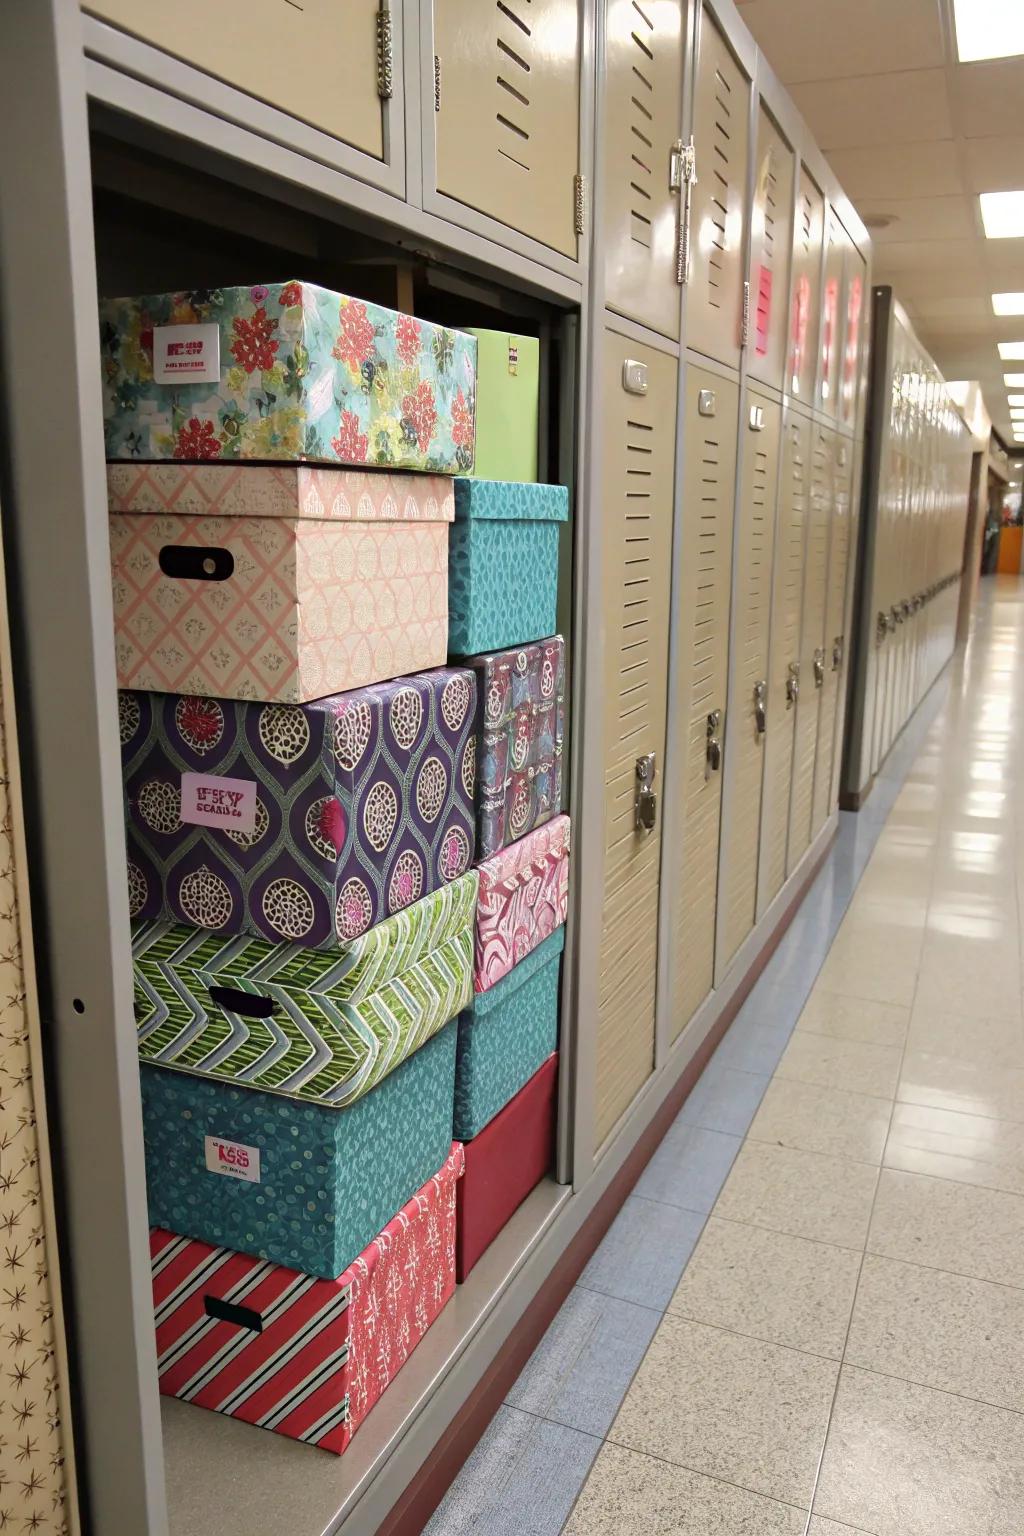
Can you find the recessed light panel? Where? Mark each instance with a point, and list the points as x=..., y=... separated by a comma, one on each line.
x=1014, y=380
x=1015, y=399
x=988, y=29
x=1008, y=303
x=1002, y=214
x=1011, y=351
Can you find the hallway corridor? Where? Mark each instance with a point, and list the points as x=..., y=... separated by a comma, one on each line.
x=808, y=1319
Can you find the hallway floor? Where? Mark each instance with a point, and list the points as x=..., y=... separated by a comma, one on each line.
x=808, y=1318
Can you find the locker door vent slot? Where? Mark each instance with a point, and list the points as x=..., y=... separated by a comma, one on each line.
x=512, y=62
x=721, y=170
x=641, y=128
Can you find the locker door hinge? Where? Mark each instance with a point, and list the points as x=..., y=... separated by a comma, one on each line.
x=437, y=83
x=579, y=204
x=745, y=327
x=385, y=54
x=688, y=172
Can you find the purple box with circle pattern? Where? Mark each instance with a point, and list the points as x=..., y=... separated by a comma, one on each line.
x=306, y=823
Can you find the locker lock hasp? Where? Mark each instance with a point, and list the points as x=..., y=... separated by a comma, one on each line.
x=645, y=803
x=713, y=752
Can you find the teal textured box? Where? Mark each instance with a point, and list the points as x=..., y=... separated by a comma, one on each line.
x=503, y=564
x=506, y=1035
x=298, y=1184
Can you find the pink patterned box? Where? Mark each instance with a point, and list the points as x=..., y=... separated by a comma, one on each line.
x=524, y=897
x=282, y=583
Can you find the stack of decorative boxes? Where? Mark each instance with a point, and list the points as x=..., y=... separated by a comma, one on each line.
x=301, y=830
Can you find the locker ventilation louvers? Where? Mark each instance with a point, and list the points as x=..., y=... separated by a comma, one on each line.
x=641, y=127
x=514, y=43
x=721, y=171
x=766, y=277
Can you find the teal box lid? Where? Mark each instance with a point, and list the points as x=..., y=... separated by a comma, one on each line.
x=510, y=501
x=485, y=1002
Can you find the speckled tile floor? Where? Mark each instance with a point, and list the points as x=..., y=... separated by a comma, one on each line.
x=808, y=1318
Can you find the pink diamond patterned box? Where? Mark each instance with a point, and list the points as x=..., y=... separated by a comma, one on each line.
x=524, y=897
x=282, y=583
x=307, y=1358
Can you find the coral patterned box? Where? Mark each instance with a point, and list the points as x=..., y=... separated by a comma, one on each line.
x=520, y=730
x=307, y=823
x=524, y=897
x=285, y=371
x=276, y=582
x=304, y=1357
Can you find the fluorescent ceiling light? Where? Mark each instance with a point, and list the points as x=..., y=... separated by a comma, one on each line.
x=1011, y=351
x=988, y=29
x=1014, y=380
x=1008, y=303
x=1016, y=412
x=1015, y=399
x=1002, y=214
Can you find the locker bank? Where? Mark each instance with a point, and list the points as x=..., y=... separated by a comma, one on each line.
x=484, y=538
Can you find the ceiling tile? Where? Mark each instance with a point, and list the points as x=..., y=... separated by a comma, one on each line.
x=919, y=218
x=958, y=256
x=881, y=109
x=994, y=164
x=898, y=170
x=941, y=307
x=821, y=39
x=988, y=99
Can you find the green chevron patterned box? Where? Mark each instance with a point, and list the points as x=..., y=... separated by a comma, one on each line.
x=320, y=1025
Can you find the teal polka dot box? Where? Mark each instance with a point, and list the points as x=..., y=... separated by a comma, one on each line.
x=503, y=564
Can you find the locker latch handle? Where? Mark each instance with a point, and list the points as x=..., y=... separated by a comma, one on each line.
x=837, y=653
x=881, y=627
x=645, y=804
x=792, y=684
x=713, y=754
x=897, y=616
x=761, y=707
x=675, y=166
x=819, y=667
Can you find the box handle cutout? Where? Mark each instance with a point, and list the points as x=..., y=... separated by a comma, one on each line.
x=236, y=1001
x=228, y=1312
x=190, y=563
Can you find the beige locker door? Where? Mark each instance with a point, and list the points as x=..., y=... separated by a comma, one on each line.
x=805, y=299
x=855, y=308
x=812, y=643
x=769, y=253
x=830, y=369
x=316, y=61
x=784, y=678
x=637, y=499
x=835, y=639
x=507, y=95
x=748, y=705
x=721, y=131
x=704, y=582
x=642, y=165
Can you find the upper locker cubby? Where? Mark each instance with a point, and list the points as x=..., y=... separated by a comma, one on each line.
x=721, y=140
x=805, y=298
x=506, y=100
x=643, y=161
x=855, y=329
x=771, y=218
x=332, y=67
x=830, y=369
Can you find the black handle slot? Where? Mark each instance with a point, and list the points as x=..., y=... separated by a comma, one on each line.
x=242, y=1002
x=191, y=563
x=227, y=1312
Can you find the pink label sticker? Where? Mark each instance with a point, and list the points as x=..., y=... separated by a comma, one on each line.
x=186, y=352
x=233, y=1158
x=208, y=800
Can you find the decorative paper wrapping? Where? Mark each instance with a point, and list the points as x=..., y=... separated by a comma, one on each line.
x=503, y=564
x=508, y=405
x=505, y=1035
x=302, y=373
x=504, y=1163
x=307, y=1358
x=520, y=728
x=364, y=805
x=285, y=582
x=321, y=1025
x=305, y=1185
x=524, y=897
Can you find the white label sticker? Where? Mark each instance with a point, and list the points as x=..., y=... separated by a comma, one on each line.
x=233, y=1158
x=208, y=800
x=186, y=354
x=320, y=396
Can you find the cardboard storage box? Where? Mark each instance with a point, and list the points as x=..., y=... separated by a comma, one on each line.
x=307, y=1358
x=285, y=371
x=523, y=898
x=505, y=1036
x=504, y=1163
x=507, y=405
x=276, y=582
x=503, y=564
x=300, y=1184
x=308, y=823
x=315, y=1024
x=519, y=735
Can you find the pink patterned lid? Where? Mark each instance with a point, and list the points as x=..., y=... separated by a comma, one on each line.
x=322, y=492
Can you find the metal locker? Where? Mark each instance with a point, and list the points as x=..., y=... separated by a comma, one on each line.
x=855, y=284
x=721, y=133
x=835, y=637
x=749, y=724
x=643, y=161
x=812, y=643
x=784, y=679
x=805, y=297
x=830, y=365
x=318, y=61
x=704, y=582
x=769, y=253
x=506, y=99
x=637, y=500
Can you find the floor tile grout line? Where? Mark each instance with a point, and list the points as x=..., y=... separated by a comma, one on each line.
x=756, y=1338
x=712, y=1477
x=914, y=1381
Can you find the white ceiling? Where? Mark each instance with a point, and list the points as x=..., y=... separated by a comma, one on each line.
x=913, y=137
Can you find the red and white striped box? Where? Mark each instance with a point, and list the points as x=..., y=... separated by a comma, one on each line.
x=305, y=1357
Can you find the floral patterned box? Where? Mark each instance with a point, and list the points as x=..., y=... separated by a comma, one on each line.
x=524, y=897
x=307, y=1358
x=301, y=1184
x=285, y=371
x=276, y=582
x=315, y=1024
x=503, y=564
x=354, y=806
x=519, y=734
x=505, y=1034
